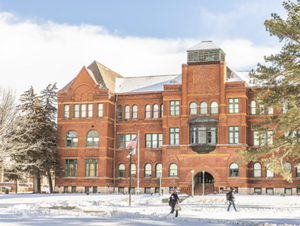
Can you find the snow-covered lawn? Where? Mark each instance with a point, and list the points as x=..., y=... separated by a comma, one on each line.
x=145, y=210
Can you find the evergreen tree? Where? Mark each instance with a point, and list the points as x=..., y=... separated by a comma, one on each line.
x=276, y=85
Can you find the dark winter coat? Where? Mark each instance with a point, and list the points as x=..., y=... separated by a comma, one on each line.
x=230, y=196
x=173, y=199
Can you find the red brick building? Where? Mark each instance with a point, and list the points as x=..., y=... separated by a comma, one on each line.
x=193, y=121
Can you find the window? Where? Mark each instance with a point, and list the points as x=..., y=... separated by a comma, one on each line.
x=233, y=105
x=203, y=108
x=119, y=112
x=173, y=170
x=257, y=191
x=71, y=139
x=233, y=170
x=148, y=111
x=174, y=107
x=65, y=189
x=214, y=108
x=289, y=166
x=91, y=167
x=148, y=170
x=233, y=134
x=121, y=190
x=124, y=139
x=132, y=190
x=193, y=108
x=132, y=170
x=288, y=191
x=155, y=111
x=147, y=190
x=269, y=191
x=284, y=107
x=127, y=112
x=76, y=110
x=134, y=111
x=261, y=109
x=66, y=111
x=90, y=111
x=269, y=173
x=94, y=189
x=100, y=110
x=298, y=170
x=83, y=111
x=252, y=107
x=86, y=189
x=174, y=136
x=92, y=139
x=270, y=111
x=70, y=167
x=265, y=139
x=158, y=170
x=153, y=140
x=257, y=169
x=298, y=190
x=73, y=189
x=161, y=110
x=203, y=135
x=121, y=171
x=156, y=190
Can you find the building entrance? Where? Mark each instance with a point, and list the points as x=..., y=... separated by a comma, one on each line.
x=209, y=181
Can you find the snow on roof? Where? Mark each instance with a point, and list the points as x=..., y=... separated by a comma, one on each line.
x=145, y=83
x=204, y=45
x=240, y=76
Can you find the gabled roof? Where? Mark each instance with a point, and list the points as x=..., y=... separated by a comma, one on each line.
x=204, y=45
x=145, y=83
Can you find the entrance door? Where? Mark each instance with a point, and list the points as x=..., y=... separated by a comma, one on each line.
x=209, y=181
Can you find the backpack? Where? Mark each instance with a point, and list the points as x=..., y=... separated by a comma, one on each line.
x=229, y=196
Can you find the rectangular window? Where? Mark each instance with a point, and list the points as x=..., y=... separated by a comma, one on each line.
x=65, y=189
x=147, y=190
x=257, y=191
x=90, y=111
x=91, y=167
x=156, y=189
x=270, y=111
x=174, y=136
x=261, y=109
x=269, y=191
x=153, y=140
x=86, y=189
x=132, y=190
x=83, y=111
x=266, y=139
x=70, y=167
x=124, y=139
x=100, y=110
x=76, y=110
x=269, y=173
x=174, y=107
x=288, y=191
x=94, y=189
x=298, y=190
x=66, y=111
x=121, y=190
x=73, y=189
x=233, y=134
x=298, y=171
x=233, y=105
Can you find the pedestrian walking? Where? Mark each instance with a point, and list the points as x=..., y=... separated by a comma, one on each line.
x=173, y=200
x=230, y=198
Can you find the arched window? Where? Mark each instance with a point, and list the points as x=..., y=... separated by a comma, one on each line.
x=253, y=107
x=203, y=108
x=147, y=111
x=127, y=112
x=132, y=170
x=121, y=171
x=161, y=110
x=257, y=169
x=119, y=112
x=173, y=170
x=134, y=111
x=233, y=170
x=148, y=170
x=71, y=139
x=289, y=166
x=214, y=108
x=193, y=108
x=298, y=170
x=155, y=111
x=92, y=139
x=269, y=173
x=158, y=170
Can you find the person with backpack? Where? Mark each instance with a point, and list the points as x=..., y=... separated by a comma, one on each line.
x=230, y=198
x=173, y=200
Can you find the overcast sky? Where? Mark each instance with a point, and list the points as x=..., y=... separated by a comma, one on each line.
x=43, y=42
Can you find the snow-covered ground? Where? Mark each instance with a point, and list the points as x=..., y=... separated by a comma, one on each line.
x=146, y=210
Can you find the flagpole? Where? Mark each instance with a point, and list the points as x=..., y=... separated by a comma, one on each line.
x=138, y=179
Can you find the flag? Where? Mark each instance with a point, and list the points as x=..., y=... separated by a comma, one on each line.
x=132, y=143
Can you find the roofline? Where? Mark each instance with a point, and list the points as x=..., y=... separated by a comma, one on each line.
x=137, y=93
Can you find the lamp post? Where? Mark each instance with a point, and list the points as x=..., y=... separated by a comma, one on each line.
x=192, y=183
x=203, y=182
x=130, y=154
x=160, y=172
x=173, y=180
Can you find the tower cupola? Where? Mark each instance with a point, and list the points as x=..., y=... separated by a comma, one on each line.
x=205, y=51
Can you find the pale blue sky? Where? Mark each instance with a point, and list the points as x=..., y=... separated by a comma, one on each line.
x=132, y=37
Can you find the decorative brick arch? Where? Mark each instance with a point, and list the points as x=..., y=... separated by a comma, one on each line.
x=205, y=168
